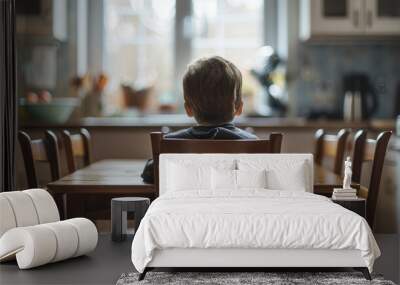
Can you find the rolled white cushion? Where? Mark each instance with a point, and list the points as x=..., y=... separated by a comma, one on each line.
x=66, y=238
x=41, y=244
x=87, y=235
x=33, y=246
x=23, y=208
x=26, y=208
x=46, y=208
x=7, y=218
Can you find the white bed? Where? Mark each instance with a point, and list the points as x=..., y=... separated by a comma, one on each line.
x=246, y=210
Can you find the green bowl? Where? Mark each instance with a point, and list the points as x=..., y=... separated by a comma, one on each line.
x=57, y=111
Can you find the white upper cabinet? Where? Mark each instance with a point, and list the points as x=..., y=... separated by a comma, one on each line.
x=349, y=17
x=338, y=16
x=382, y=17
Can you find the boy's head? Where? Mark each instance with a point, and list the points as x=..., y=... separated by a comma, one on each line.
x=212, y=91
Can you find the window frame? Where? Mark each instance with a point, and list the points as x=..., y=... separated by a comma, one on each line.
x=182, y=41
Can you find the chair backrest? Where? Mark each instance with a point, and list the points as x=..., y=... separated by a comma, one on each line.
x=333, y=146
x=358, y=149
x=77, y=146
x=164, y=145
x=39, y=150
x=374, y=151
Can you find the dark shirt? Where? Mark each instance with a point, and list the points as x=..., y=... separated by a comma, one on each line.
x=222, y=132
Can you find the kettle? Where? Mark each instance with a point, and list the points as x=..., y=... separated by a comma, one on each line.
x=352, y=109
x=360, y=98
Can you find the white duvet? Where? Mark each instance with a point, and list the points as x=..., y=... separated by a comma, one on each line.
x=251, y=219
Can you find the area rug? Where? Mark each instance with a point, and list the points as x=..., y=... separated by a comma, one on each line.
x=243, y=278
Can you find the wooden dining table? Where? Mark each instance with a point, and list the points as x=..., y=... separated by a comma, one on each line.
x=121, y=177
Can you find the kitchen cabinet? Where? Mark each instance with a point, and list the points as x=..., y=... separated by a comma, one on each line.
x=349, y=18
x=333, y=17
x=382, y=16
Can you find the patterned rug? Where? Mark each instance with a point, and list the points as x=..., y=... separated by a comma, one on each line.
x=242, y=278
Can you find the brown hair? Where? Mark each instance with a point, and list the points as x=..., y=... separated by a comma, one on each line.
x=212, y=88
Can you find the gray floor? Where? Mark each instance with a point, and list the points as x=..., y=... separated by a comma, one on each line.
x=110, y=260
x=389, y=262
x=103, y=266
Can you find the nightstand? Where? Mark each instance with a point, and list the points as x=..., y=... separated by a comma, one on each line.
x=357, y=205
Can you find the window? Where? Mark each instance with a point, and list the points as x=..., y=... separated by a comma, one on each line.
x=229, y=28
x=139, y=44
x=141, y=37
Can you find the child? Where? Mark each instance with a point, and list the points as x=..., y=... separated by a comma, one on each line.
x=212, y=93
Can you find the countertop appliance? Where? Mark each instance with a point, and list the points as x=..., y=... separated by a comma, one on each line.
x=269, y=71
x=360, y=97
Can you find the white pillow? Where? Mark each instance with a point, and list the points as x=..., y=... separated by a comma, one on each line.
x=281, y=174
x=292, y=181
x=184, y=177
x=223, y=179
x=227, y=179
x=251, y=178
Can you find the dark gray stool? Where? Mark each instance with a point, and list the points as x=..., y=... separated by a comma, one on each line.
x=119, y=209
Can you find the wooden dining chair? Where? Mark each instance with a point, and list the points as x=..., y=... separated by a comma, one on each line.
x=333, y=146
x=374, y=151
x=358, y=150
x=165, y=145
x=77, y=146
x=39, y=150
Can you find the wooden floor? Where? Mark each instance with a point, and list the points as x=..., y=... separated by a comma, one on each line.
x=111, y=259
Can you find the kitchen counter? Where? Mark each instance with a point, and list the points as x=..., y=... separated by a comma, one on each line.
x=182, y=121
